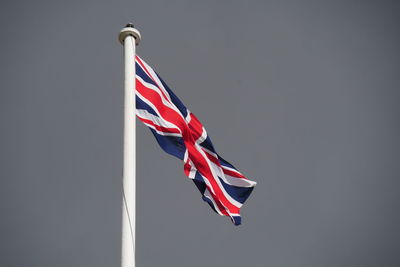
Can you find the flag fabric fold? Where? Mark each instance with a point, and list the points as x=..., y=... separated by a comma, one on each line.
x=181, y=134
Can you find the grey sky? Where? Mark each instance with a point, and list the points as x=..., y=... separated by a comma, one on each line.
x=302, y=96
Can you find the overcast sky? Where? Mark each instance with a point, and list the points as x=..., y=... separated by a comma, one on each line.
x=301, y=96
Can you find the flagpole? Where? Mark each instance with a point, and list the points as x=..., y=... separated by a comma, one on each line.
x=129, y=38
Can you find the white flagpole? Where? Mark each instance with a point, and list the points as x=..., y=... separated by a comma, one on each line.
x=129, y=38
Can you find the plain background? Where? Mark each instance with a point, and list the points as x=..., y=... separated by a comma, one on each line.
x=302, y=96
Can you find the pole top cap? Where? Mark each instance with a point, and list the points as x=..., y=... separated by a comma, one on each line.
x=129, y=30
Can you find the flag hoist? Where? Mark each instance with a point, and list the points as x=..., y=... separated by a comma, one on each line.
x=129, y=38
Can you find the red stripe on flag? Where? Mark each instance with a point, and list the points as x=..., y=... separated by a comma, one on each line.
x=233, y=174
x=151, y=77
x=159, y=128
x=195, y=126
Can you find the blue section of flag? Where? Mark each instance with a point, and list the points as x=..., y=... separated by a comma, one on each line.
x=140, y=104
x=171, y=144
x=238, y=193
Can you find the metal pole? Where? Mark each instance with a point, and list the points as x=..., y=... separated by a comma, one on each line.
x=129, y=38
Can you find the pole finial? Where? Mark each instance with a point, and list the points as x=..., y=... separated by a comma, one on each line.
x=129, y=30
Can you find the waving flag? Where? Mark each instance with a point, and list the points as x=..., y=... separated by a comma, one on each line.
x=181, y=134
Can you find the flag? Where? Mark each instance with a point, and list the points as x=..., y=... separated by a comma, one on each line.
x=181, y=134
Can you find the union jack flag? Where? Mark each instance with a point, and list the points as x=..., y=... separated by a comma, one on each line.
x=181, y=134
